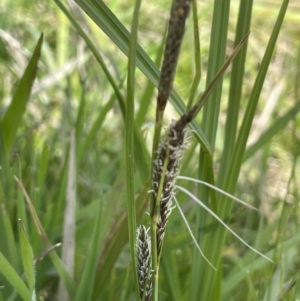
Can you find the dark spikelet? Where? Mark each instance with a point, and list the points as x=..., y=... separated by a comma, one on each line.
x=171, y=148
x=179, y=12
x=143, y=250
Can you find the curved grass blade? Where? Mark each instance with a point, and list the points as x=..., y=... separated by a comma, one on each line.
x=15, y=280
x=221, y=222
x=142, y=155
x=217, y=189
x=191, y=233
x=16, y=109
x=116, y=31
x=192, y=113
x=116, y=241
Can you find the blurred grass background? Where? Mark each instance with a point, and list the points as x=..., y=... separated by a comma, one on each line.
x=72, y=92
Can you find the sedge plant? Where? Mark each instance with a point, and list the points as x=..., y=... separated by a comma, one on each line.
x=103, y=100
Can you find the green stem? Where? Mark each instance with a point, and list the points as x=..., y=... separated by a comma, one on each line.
x=129, y=134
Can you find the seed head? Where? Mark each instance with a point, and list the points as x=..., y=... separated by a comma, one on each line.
x=143, y=250
x=170, y=152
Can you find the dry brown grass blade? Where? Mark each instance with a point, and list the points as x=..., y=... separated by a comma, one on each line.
x=33, y=214
x=192, y=113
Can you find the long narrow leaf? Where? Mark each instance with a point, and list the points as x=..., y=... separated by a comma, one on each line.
x=214, y=241
x=67, y=280
x=11, y=275
x=236, y=84
x=116, y=31
x=87, y=280
x=27, y=257
x=217, y=52
x=129, y=142
x=117, y=240
x=16, y=109
x=278, y=125
x=259, y=264
x=142, y=157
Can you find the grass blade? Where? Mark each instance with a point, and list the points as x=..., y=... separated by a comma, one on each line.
x=11, y=275
x=16, y=109
x=221, y=222
x=116, y=31
x=27, y=257
x=117, y=240
x=142, y=157
x=87, y=280
x=214, y=241
x=129, y=142
x=68, y=282
x=236, y=84
x=278, y=125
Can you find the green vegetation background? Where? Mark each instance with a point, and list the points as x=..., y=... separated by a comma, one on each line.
x=72, y=93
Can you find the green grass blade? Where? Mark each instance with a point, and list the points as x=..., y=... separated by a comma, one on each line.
x=95, y=127
x=80, y=116
x=255, y=265
x=116, y=31
x=27, y=257
x=87, y=280
x=240, y=144
x=77, y=89
x=214, y=241
x=43, y=167
x=215, y=80
x=15, y=280
x=142, y=156
x=16, y=109
x=278, y=125
x=8, y=241
x=65, y=277
x=168, y=264
x=129, y=141
x=236, y=84
x=117, y=240
x=216, y=59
